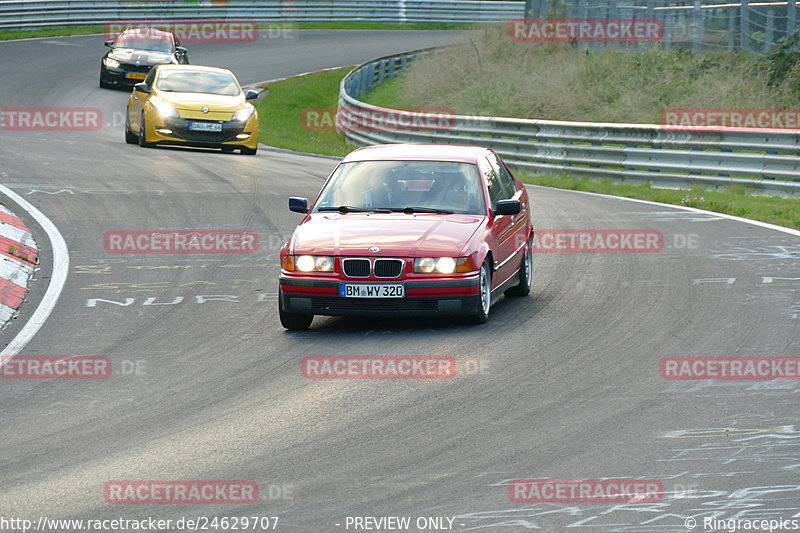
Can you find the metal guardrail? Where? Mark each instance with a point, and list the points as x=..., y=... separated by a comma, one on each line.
x=31, y=14
x=765, y=160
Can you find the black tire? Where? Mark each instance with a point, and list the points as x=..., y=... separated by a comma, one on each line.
x=130, y=137
x=248, y=151
x=294, y=321
x=142, y=135
x=103, y=85
x=525, y=274
x=485, y=285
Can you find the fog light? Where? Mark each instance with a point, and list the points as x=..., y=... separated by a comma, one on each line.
x=164, y=131
x=243, y=136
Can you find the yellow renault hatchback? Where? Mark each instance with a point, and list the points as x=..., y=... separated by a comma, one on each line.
x=191, y=105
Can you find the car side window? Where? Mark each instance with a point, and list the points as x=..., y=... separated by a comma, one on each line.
x=506, y=181
x=496, y=192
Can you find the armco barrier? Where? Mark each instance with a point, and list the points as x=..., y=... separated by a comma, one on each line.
x=23, y=14
x=763, y=160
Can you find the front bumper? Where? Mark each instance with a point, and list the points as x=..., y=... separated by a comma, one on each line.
x=118, y=76
x=180, y=134
x=315, y=296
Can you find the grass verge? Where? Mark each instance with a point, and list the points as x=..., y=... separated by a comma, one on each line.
x=8, y=35
x=494, y=76
x=299, y=114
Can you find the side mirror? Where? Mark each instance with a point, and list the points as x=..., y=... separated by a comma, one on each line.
x=251, y=94
x=142, y=88
x=109, y=43
x=298, y=205
x=181, y=49
x=508, y=207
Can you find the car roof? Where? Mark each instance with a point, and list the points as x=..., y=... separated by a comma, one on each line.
x=427, y=152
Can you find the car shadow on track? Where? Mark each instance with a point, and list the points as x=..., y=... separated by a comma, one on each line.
x=506, y=313
x=195, y=149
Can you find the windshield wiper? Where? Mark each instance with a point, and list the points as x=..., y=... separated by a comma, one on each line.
x=410, y=209
x=352, y=209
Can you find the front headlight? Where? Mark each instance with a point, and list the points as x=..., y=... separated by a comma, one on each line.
x=442, y=265
x=111, y=63
x=308, y=263
x=244, y=114
x=163, y=108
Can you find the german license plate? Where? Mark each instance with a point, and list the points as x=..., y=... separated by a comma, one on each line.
x=135, y=76
x=205, y=126
x=372, y=290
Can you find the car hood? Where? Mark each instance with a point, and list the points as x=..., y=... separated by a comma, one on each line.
x=142, y=57
x=396, y=234
x=197, y=101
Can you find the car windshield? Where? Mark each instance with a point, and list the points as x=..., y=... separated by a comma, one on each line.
x=197, y=81
x=410, y=186
x=154, y=42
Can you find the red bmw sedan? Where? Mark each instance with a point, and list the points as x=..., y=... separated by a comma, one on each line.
x=408, y=229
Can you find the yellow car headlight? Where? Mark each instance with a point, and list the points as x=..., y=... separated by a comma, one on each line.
x=309, y=263
x=244, y=114
x=163, y=108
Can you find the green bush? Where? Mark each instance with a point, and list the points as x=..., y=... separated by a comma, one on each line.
x=783, y=59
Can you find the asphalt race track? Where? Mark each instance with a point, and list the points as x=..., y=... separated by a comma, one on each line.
x=562, y=385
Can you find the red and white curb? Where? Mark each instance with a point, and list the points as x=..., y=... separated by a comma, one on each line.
x=18, y=259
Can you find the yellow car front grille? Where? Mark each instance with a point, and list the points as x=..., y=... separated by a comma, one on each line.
x=211, y=115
